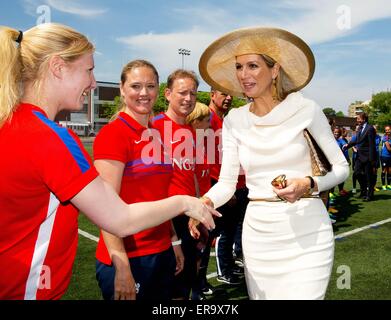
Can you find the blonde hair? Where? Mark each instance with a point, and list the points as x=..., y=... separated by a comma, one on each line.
x=28, y=61
x=281, y=92
x=200, y=112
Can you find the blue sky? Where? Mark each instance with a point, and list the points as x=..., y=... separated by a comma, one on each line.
x=351, y=40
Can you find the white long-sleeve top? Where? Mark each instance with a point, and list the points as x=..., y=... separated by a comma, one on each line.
x=274, y=144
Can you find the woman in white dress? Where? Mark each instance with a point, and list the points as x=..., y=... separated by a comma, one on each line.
x=288, y=243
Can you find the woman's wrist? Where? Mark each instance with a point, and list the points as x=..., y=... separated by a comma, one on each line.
x=310, y=184
x=184, y=202
x=174, y=237
x=207, y=201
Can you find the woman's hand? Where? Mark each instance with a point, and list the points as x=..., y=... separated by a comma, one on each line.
x=198, y=210
x=294, y=190
x=124, y=285
x=195, y=228
x=180, y=258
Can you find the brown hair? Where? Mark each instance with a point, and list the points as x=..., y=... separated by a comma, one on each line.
x=137, y=64
x=339, y=130
x=181, y=74
x=125, y=70
x=363, y=116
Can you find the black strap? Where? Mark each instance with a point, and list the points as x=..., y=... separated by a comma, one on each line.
x=20, y=37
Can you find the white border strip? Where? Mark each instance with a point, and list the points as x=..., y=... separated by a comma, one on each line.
x=41, y=249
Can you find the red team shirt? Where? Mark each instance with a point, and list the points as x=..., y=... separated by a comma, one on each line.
x=179, y=142
x=202, y=170
x=45, y=166
x=144, y=179
x=216, y=123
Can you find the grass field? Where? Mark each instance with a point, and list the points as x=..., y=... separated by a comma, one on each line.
x=365, y=256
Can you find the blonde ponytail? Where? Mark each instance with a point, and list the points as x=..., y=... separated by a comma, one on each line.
x=28, y=61
x=10, y=73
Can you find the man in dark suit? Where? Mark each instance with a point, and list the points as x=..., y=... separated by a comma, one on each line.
x=366, y=156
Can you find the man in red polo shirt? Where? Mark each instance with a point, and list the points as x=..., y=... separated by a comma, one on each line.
x=179, y=141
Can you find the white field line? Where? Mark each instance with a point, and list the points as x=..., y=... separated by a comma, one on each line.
x=349, y=233
x=88, y=235
x=211, y=275
x=213, y=254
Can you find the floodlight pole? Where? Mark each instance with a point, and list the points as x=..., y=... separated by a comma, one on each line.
x=183, y=53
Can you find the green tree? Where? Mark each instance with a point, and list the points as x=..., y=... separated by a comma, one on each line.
x=161, y=103
x=329, y=111
x=379, y=109
x=203, y=97
x=238, y=102
x=110, y=108
x=340, y=114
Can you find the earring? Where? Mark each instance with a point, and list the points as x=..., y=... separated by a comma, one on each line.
x=274, y=90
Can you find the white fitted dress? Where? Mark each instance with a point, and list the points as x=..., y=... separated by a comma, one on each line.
x=288, y=248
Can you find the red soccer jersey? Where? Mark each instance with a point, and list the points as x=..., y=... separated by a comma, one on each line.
x=145, y=178
x=42, y=167
x=202, y=169
x=216, y=123
x=179, y=144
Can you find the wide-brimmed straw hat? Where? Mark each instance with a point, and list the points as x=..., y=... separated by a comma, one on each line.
x=217, y=63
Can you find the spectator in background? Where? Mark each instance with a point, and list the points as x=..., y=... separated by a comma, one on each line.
x=341, y=142
x=377, y=163
x=366, y=156
x=385, y=159
x=354, y=157
x=332, y=124
x=344, y=135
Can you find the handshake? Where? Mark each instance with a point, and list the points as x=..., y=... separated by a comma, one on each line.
x=198, y=230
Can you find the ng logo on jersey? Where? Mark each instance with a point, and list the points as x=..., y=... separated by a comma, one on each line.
x=182, y=146
x=183, y=164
